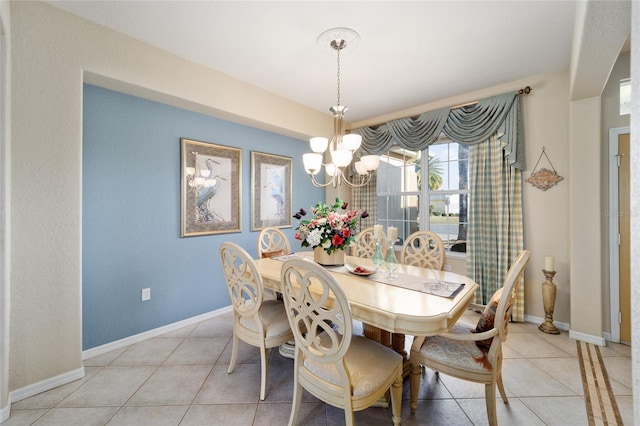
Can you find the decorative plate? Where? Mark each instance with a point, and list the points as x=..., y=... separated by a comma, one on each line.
x=359, y=269
x=544, y=179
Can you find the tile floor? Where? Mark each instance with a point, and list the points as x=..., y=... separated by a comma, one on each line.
x=181, y=379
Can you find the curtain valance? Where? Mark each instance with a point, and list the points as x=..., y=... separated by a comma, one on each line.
x=469, y=124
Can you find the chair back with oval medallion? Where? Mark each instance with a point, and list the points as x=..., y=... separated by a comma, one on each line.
x=347, y=371
x=256, y=321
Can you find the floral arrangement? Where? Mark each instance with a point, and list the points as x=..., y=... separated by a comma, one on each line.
x=328, y=228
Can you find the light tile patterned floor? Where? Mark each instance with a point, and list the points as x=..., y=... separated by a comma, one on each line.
x=181, y=379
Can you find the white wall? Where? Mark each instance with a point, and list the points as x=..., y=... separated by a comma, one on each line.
x=635, y=207
x=5, y=114
x=585, y=210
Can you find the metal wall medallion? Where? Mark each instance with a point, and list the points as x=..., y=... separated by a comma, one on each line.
x=544, y=178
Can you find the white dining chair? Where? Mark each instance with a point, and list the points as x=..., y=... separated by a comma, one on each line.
x=424, y=249
x=258, y=322
x=366, y=244
x=272, y=242
x=472, y=353
x=343, y=370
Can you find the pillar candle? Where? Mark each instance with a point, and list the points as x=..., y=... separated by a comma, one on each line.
x=377, y=231
x=392, y=233
x=549, y=263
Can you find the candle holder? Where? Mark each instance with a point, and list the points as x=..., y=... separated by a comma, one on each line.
x=378, y=257
x=549, y=301
x=391, y=262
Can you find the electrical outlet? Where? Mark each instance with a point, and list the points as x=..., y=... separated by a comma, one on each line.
x=447, y=268
x=146, y=294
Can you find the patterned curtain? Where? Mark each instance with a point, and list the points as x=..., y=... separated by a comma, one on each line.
x=366, y=198
x=495, y=220
x=471, y=124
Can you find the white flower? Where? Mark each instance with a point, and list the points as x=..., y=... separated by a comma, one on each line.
x=315, y=237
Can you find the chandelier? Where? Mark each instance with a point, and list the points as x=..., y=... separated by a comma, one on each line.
x=341, y=146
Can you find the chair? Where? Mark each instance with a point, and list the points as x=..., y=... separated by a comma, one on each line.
x=366, y=244
x=343, y=370
x=468, y=354
x=258, y=322
x=272, y=242
x=424, y=249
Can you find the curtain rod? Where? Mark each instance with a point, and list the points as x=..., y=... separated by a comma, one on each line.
x=523, y=91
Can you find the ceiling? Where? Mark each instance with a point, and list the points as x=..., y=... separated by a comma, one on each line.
x=410, y=52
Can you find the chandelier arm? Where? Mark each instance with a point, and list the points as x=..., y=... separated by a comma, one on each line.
x=363, y=181
x=321, y=185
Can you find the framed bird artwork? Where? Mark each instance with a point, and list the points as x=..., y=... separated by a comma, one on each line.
x=271, y=187
x=211, y=184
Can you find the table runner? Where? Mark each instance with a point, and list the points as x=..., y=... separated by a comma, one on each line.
x=440, y=288
x=411, y=282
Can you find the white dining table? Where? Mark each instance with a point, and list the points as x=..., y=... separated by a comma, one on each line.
x=387, y=306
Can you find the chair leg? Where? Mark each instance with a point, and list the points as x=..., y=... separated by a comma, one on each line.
x=490, y=396
x=234, y=353
x=414, y=381
x=297, y=397
x=349, y=417
x=396, y=401
x=503, y=394
x=263, y=373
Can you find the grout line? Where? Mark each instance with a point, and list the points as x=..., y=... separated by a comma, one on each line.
x=598, y=396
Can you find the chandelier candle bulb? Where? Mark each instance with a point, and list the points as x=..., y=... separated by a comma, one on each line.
x=549, y=263
x=312, y=163
x=392, y=233
x=319, y=144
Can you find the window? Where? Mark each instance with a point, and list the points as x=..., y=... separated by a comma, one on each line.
x=440, y=206
x=625, y=96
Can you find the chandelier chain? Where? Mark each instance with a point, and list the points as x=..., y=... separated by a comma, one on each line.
x=338, y=73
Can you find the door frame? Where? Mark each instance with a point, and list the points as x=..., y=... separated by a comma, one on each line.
x=614, y=258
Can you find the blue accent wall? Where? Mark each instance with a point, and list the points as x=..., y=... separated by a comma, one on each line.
x=131, y=213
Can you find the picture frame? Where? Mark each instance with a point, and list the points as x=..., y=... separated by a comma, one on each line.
x=271, y=191
x=211, y=179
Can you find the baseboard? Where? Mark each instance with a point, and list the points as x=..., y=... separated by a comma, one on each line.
x=137, y=338
x=588, y=338
x=5, y=413
x=45, y=385
x=537, y=320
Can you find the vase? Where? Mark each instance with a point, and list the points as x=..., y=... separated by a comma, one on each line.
x=392, y=261
x=334, y=259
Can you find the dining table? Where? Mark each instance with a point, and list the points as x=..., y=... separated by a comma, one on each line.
x=406, y=305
